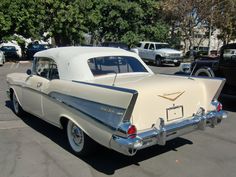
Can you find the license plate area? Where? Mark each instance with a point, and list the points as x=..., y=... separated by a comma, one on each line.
x=175, y=112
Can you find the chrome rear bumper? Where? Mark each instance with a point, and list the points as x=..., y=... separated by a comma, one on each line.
x=162, y=133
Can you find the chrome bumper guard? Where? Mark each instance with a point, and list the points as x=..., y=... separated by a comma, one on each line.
x=159, y=135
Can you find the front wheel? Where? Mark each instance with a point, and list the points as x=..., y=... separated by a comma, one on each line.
x=79, y=142
x=158, y=61
x=16, y=106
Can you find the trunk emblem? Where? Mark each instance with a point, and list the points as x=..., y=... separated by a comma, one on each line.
x=171, y=96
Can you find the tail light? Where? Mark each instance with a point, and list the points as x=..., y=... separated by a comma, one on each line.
x=132, y=131
x=127, y=130
x=219, y=107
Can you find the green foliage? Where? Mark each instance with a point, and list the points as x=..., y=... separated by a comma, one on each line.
x=66, y=21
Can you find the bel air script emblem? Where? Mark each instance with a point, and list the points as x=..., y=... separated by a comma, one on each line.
x=171, y=96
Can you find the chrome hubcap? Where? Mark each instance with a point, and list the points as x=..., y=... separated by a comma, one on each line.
x=77, y=135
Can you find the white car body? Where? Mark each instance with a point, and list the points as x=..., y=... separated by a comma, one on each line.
x=2, y=58
x=125, y=111
x=159, y=53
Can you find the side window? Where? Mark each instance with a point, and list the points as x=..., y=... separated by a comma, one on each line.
x=146, y=46
x=47, y=68
x=139, y=44
x=228, y=54
x=151, y=47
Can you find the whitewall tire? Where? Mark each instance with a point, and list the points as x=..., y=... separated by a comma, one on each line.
x=79, y=142
x=16, y=106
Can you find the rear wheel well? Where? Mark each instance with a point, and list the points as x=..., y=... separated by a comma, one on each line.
x=158, y=56
x=63, y=121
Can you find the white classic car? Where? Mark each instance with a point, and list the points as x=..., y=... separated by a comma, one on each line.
x=109, y=96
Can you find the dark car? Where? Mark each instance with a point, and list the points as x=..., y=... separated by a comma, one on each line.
x=116, y=45
x=222, y=66
x=198, y=52
x=35, y=47
x=10, y=52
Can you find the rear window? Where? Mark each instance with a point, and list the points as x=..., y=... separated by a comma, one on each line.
x=161, y=46
x=115, y=64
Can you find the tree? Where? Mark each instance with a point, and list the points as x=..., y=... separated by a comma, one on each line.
x=66, y=21
x=225, y=19
x=130, y=21
x=187, y=16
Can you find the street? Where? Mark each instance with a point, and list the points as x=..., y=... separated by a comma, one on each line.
x=30, y=147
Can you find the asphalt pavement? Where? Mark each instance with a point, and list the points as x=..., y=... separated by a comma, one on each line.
x=30, y=147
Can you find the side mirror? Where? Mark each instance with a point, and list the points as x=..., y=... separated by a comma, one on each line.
x=29, y=72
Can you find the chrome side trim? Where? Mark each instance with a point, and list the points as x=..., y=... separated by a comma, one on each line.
x=107, y=115
x=159, y=134
x=108, y=87
x=130, y=108
x=125, y=112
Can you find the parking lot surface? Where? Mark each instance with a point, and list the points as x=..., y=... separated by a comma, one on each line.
x=30, y=147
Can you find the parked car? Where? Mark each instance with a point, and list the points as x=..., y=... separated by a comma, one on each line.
x=10, y=52
x=35, y=47
x=159, y=53
x=14, y=44
x=2, y=58
x=222, y=66
x=111, y=97
x=116, y=45
x=198, y=52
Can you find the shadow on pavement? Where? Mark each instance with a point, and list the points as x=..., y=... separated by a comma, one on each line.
x=108, y=161
x=9, y=105
x=103, y=160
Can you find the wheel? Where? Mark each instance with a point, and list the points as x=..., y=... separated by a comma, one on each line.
x=158, y=61
x=79, y=142
x=205, y=72
x=16, y=106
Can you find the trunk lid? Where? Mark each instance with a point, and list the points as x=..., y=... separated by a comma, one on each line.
x=172, y=98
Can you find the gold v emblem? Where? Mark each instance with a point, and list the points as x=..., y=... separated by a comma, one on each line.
x=172, y=96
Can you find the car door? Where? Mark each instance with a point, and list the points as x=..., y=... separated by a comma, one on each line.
x=34, y=87
x=151, y=52
x=145, y=51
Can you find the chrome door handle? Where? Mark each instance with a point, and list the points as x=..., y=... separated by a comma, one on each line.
x=39, y=84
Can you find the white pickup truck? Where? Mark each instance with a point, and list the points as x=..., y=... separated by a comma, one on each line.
x=159, y=53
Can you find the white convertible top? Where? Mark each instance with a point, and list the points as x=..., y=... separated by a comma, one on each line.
x=72, y=62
